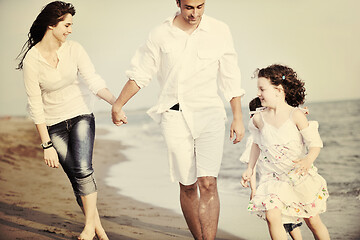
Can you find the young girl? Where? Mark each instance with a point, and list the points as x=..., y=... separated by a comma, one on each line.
x=289, y=187
x=291, y=228
x=60, y=104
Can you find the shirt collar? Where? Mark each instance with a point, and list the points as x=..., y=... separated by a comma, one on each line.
x=204, y=23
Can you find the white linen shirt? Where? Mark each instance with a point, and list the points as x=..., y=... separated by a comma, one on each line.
x=188, y=68
x=58, y=94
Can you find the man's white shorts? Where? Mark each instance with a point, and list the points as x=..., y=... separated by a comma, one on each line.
x=191, y=158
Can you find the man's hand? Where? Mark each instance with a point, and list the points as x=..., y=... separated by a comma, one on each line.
x=237, y=129
x=118, y=116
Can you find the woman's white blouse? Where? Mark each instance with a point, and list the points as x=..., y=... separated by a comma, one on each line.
x=57, y=94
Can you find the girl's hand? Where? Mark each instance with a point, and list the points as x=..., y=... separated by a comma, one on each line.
x=302, y=166
x=246, y=176
x=51, y=157
x=253, y=192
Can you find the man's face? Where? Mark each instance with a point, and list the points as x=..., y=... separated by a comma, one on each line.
x=191, y=10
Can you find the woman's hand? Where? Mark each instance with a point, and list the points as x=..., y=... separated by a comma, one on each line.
x=118, y=117
x=246, y=176
x=51, y=157
x=302, y=166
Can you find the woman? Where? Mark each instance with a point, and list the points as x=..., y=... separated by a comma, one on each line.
x=60, y=103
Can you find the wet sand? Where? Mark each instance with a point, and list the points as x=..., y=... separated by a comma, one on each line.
x=37, y=202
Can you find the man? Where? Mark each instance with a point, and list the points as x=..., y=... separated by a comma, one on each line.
x=189, y=52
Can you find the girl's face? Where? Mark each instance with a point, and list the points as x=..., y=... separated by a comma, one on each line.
x=63, y=28
x=267, y=92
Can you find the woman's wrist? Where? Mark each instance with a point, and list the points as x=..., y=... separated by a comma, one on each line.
x=47, y=144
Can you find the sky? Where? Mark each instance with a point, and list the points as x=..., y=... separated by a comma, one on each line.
x=319, y=39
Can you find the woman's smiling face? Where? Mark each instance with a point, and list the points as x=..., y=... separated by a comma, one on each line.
x=63, y=28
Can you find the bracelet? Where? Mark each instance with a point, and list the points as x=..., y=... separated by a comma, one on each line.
x=47, y=145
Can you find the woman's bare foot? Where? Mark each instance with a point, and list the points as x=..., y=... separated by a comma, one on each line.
x=101, y=234
x=87, y=234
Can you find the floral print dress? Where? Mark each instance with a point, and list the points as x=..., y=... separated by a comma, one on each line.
x=279, y=186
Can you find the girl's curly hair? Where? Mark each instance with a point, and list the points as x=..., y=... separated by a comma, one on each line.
x=285, y=76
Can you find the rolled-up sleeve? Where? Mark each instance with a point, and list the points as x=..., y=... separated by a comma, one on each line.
x=229, y=72
x=33, y=91
x=145, y=63
x=87, y=70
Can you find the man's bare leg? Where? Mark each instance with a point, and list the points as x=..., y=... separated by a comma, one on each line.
x=209, y=207
x=189, y=200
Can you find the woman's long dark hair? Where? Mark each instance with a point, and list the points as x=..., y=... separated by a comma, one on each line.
x=282, y=75
x=50, y=15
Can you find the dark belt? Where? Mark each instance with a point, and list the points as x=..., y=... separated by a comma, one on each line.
x=176, y=107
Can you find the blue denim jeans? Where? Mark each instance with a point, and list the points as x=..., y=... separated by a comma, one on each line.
x=73, y=140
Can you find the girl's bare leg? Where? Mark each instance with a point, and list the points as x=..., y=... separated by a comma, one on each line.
x=295, y=234
x=276, y=228
x=318, y=228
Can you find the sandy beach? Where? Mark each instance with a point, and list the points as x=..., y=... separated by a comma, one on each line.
x=36, y=202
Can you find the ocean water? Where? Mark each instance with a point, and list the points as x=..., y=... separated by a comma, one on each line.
x=145, y=176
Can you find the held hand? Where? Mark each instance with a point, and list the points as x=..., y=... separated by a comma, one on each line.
x=118, y=117
x=246, y=176
x=51, y=157
x=237, y=128
x=302, y=166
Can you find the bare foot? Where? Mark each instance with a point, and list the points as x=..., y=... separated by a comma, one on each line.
x=87, y=234
x=101, y=234
x=83, y=236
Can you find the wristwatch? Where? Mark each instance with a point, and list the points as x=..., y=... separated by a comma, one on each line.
x=47, y=145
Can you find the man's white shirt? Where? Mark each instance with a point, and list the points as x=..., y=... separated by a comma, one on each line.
x=190, y=70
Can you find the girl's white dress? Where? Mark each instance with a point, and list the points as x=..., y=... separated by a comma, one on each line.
x=279, y=186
